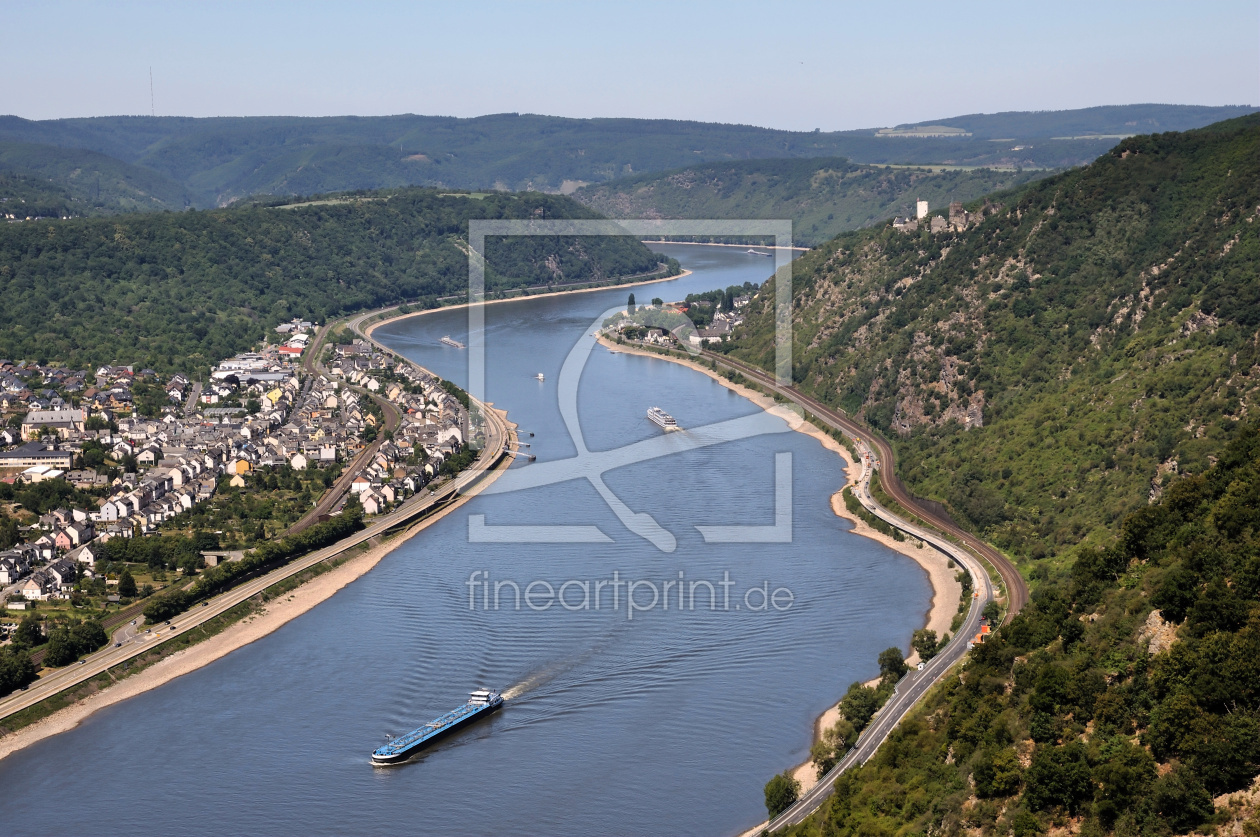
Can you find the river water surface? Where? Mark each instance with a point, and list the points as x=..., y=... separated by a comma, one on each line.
x=665, y=723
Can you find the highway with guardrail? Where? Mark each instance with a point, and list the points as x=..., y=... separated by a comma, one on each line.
x=915, y=684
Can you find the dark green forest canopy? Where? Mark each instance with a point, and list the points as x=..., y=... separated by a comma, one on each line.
x=1100, y=324
x=180, y=291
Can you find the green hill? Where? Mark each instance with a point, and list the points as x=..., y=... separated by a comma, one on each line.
x=91, y=183
x=219, y=160
x=822, y=196
x=1074, y=371
x=1040, y=369
x=177, y=291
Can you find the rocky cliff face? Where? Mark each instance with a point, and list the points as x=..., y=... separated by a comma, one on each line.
x=1157, y=634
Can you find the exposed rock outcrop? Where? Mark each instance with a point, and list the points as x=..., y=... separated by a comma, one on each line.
x=1158, y=633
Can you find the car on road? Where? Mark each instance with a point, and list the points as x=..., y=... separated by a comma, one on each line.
x=118, y=645
x=82, y=662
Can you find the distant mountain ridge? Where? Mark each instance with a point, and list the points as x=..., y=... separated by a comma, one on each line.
x=1107, y=120
x=222, y=159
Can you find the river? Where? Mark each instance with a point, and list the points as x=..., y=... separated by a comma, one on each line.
x=619, y=721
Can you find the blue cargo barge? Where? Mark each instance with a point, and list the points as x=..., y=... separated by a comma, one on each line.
x=396, y=750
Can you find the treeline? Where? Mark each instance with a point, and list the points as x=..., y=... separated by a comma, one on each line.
x=45, y=496
x=455, y=390
x=213, y=161
x=16, y=669
x=9, y=532
x=67, y=643
x=1125, y=695
x=28, y=197
x=458, y=462
x=266, y=556
x=857, y=708
x=79, y=182
x=180, y=291
x=61, y=640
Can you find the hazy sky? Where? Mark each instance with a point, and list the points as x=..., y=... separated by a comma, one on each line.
x=786, y=65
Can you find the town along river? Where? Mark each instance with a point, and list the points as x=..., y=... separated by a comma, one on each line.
x=669, y=722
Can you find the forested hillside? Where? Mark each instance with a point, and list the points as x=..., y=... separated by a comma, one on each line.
x=220, y=160
x=1045, y=367
x=1072, y=369
x=822, y=196
x=177, y=291
x=90, y=183
x=25, y=197
x=1121, y=700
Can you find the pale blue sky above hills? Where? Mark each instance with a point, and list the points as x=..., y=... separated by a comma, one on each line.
x=796, y=65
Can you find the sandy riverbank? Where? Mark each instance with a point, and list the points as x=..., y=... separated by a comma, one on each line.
x=374, y=326
x=276, y=613
x=946, y=591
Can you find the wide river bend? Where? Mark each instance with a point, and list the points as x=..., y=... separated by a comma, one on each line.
x=669, y=722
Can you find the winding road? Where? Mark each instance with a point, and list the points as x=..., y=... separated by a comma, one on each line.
x=915, y=684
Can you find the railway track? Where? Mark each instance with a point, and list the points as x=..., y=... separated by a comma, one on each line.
x=1015, y=588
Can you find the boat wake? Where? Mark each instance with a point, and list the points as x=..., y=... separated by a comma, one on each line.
x=550, y=673
x=533, y=681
